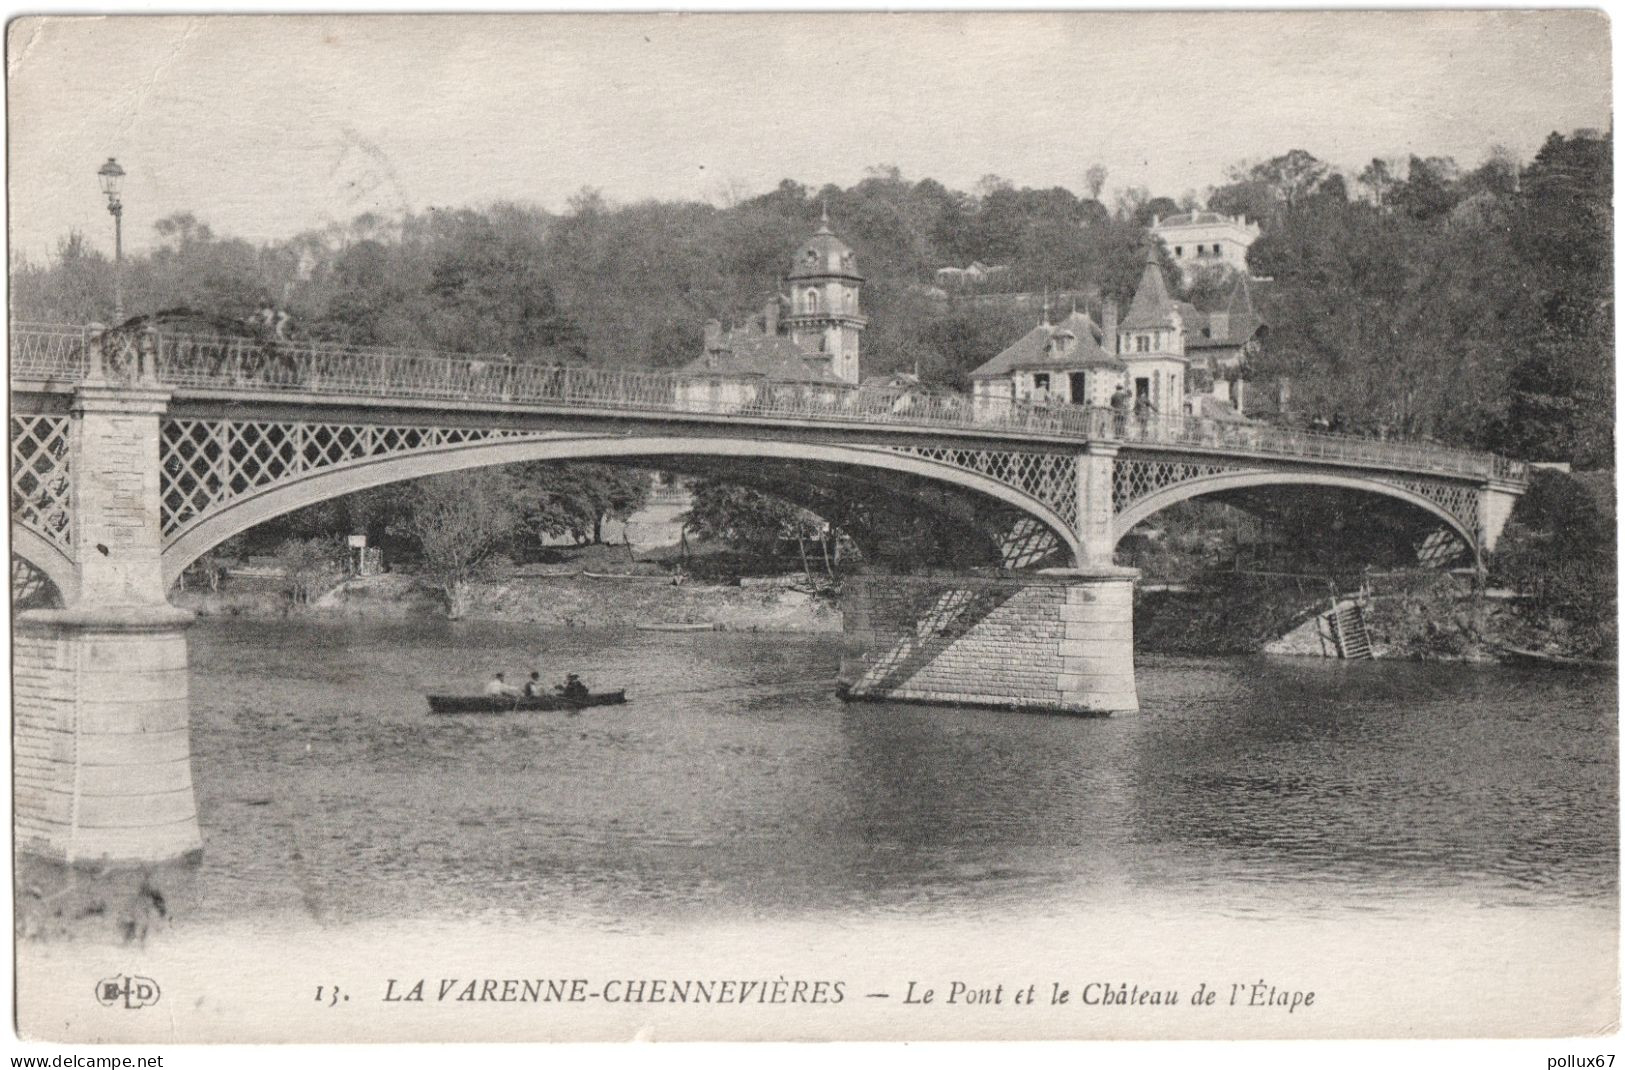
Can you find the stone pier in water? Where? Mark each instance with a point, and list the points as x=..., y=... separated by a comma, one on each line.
x=100, y=721
x=1058, y=640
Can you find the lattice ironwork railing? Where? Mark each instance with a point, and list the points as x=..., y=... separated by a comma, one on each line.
x=1050, y=478
x=207, y=464
x=50, y=352
x=1252, y=439
x=252, y=366
x=42, y=476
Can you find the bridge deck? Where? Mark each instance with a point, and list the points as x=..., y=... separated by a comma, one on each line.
x=288, y=375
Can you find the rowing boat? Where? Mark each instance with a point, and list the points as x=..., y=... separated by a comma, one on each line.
x=516, y=704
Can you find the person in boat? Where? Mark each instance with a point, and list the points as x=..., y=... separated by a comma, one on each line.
x=534, y=686
x=572, y=688
x=500, y=686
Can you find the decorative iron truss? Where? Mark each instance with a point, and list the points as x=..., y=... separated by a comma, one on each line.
x=1460, y=500
x=31, y=588
x=1050, y=478
x=42, y=477
x=1135, y=479
x=1028, y=543
x=209, y=463
x=1440, y=548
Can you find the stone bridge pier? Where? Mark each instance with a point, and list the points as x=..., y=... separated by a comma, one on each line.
x=1055, y=640
x=100, y=716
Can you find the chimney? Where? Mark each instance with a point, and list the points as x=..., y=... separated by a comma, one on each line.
x=770, y=316
x=1108, y=328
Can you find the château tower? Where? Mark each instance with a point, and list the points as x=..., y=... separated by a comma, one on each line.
x=824, y=317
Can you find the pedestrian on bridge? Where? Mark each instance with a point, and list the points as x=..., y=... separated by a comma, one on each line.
x=1121, y=402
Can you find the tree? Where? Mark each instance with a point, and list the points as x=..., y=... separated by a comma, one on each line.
x=1558, y=550
x=1129, y=203
x=1156, y=207
x=1562, y=389
x=751, y=521
x=76, y=288
x=488, y=291
x=1291, y=176
x=1271, y=190
x=1429, y=190
x=310, y=566
x=1248, y=198
x=461, y=523
x=1094, y=180
x=1378, y=177
x=575, y=499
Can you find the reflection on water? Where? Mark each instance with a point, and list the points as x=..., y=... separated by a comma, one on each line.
x=734, y=784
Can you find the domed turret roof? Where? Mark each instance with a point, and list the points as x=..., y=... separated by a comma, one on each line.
x=823, y=255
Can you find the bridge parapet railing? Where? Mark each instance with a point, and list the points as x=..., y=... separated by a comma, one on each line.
x=1248, y=437
x=273, y=366
x=48, y=352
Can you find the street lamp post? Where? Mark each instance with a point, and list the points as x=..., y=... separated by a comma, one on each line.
x=112, y=177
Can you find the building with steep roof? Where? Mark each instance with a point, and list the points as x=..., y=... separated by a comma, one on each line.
x=824, y=318
x=1219, y=344
x=1064, y=362
x=1151, y=343
x=1171, y=357
x=813, y=349
x=750, y=350
x=1204, y=240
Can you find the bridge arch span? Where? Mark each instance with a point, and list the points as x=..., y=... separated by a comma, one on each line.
x=1154, y=503
x=49, y=560
x=256, y=507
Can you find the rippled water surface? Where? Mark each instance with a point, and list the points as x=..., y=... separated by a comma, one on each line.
x=734, y=783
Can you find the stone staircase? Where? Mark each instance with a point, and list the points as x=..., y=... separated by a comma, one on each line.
x=1348, y=629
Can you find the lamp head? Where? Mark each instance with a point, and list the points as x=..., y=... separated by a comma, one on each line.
x=112, y=177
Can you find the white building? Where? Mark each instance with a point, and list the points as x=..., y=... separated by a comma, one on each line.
x=1202, y=240
x=1065, y=362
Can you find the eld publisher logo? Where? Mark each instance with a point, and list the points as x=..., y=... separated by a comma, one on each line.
x=131, y=993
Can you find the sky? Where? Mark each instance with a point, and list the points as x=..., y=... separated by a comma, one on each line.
x=267, y=126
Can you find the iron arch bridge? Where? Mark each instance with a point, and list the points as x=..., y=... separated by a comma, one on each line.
x=249, y=428
x=133, y=452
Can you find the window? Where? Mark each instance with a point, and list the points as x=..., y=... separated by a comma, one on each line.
x=1041, y=381
x=811, y=301
x=1179, y=250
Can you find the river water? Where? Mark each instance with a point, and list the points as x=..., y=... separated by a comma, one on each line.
x=735, y=782
x=1431, y=849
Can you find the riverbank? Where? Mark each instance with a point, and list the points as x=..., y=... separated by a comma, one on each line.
x=1421, y=616
x=1418, y=616
x=567, y=599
